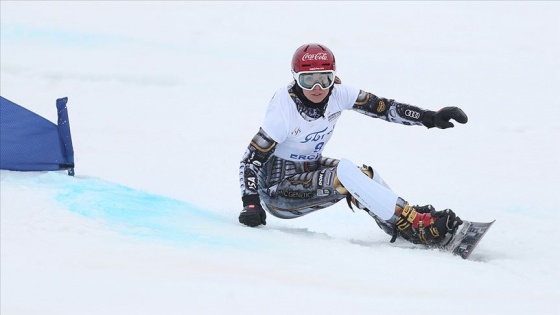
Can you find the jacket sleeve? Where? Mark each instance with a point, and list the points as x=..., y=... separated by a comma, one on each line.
x=258, y=152
x=392, y=111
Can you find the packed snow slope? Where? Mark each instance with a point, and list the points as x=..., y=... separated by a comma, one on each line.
x=164, y=98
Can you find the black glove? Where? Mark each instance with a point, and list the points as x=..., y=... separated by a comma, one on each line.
x=252, y=215
x=441, y=118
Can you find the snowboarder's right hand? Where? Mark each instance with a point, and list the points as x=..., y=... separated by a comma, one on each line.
x=252, y=215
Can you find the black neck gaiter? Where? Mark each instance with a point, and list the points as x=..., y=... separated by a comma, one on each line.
x=307, y=104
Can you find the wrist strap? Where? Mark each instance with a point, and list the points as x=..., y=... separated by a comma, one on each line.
x=251, y=200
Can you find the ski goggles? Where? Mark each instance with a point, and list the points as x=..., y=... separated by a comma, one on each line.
x=307, y=80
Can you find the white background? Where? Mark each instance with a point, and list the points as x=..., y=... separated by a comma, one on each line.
x=164, y=97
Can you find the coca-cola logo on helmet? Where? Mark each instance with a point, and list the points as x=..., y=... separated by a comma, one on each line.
x=317, y=56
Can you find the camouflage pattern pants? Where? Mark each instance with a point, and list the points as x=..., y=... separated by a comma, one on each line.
x=291, y=189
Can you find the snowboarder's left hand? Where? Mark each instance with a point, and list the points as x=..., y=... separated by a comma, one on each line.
x=441, y=118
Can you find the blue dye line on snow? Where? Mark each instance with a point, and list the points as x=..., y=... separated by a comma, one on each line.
x=59, y=37
x=141, y=214
x=64, y=37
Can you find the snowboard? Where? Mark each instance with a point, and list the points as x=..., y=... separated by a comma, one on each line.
x=380, y=201
x=467, y=238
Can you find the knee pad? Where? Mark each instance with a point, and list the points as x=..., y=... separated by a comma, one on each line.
x=369, y=172
x=371, y=193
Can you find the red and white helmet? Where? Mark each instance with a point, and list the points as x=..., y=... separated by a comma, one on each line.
x=312, y=65
x=313, y=57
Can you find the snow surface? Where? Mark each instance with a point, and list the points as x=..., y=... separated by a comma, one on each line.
x=163, y=100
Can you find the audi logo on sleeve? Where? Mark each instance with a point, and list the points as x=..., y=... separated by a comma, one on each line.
x=412, y=114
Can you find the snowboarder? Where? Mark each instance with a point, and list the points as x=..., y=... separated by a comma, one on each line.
x=284, y=172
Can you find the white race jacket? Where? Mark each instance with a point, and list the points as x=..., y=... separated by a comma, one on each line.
x=298, y=139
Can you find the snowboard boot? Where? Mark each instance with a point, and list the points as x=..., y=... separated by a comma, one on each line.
x=425, y=225
x=417, y=224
